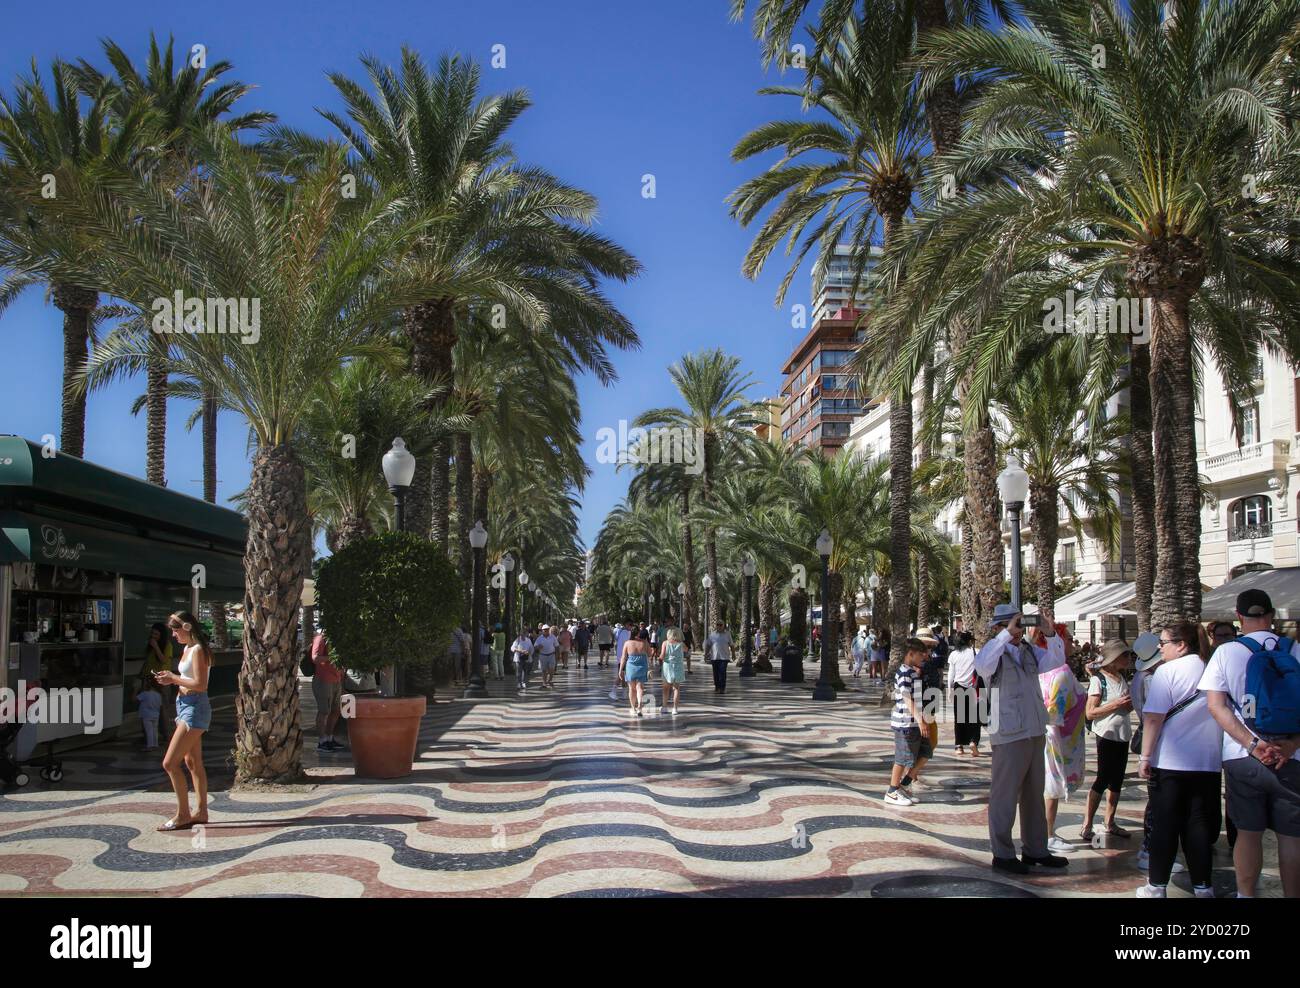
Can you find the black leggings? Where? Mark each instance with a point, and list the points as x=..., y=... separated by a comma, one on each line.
x=1112, y=763
x=1184, y=809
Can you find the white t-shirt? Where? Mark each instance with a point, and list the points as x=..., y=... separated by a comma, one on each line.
x=961, y=667
x=1226, y=673
x=719, y=646
x=546, y=644
x=1116, y=726
x=1192, y=741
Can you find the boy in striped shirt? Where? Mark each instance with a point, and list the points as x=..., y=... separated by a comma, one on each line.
x=908, y=722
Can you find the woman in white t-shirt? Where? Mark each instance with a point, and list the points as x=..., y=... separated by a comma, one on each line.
x=1182, y=749
x=1108, y=707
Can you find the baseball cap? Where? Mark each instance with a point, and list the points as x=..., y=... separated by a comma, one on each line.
x=1254, y=603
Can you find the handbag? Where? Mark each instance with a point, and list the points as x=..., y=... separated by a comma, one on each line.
x=307, y=665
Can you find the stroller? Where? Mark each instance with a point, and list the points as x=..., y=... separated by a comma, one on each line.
x=11, y=773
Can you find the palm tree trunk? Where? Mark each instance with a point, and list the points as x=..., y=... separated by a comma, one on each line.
x=77, y=305
x=798, y=600
x=1176, y=594
x=688, y=561
x=220, y=630
x=710, y=549
x=1141, y=482
x=832, y=597
x=766, y=599
x=927, y=452
x=440, y=495
x=156, y=412
x=1044, y=504
x=268, y=734
x=431, y=328
x=353, y=528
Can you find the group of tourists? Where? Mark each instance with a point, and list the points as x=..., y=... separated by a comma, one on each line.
x=1212, y=705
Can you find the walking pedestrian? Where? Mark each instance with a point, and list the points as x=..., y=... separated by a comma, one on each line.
x=1065, y=749
x=634, y=669
x=327, y=691
x=718, y=649
x=963, y=687
x=1261, y=761
x=858, y=649
x=498, y=652
x=1109, y=703
x=193, y=718
x=1182, y=754
x=564, y=643
x=582, y=642
x=1017, y=733
x=673, y=658
x=544, y=650
x=522, y=652
x=908, y=722
x=604, y=641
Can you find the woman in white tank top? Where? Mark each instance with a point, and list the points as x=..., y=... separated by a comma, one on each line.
x=193, y=718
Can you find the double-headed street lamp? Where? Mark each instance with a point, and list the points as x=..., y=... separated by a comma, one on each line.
x=478, y=538
x=1013, y=488
x=747, y=667
x=399, y=471
x=824, y=690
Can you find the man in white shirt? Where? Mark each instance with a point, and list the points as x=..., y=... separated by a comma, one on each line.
x=718, y=651
x=522, y=651
x=1017, y=733
x=859, y=651
x=604, y=641
x=544, y=650
x=1262, y=774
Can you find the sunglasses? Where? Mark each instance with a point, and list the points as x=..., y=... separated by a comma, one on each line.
x=1171, y=641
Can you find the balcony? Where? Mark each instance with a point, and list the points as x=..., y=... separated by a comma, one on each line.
x=1244, y=533
x=1255, y=459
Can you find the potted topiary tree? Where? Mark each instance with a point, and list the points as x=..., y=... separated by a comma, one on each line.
x=387, y=601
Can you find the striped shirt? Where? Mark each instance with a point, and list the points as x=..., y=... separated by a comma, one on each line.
x=904, y=682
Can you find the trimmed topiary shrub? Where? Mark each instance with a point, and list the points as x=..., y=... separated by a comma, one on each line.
x=390, y=599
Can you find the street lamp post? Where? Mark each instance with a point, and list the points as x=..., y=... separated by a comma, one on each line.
x=508, y=567
x=478, y=538
x=747, y=667
x=681, y=606
x=399, y=470
x=649, y=605
x=824, y=690
x=523, y=597
x=1013, y=488
x=708, y=584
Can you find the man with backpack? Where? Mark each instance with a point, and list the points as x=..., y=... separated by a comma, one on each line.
x=1252, y=685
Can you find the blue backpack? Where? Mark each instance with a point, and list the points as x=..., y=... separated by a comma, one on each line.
x=1273, y=682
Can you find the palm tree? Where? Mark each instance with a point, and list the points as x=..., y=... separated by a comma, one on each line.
x=1069, y=466
x=47, y=144
x=1134, y=171
x=717, y=421
x=324, y=273
x=874, y=139
x=775, y=23
x=508, y=236
x=176, y=104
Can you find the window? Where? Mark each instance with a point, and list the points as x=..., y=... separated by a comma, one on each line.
x=836, y=430
x=816, y=432
x=835, y=358
x=1248, y=425
x=816, y=409
x=1068, y=564
x=1251, y=518
x=785, y=434
x=803, y=421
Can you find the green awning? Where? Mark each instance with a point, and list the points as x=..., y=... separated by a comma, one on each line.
x=56, y=541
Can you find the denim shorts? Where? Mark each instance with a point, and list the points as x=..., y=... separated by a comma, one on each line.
x=909, y=745
x=194, y=710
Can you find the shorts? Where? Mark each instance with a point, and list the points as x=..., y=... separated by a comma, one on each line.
x=910, y=745
x=327, y=695
x=1260, y=798
x=546, y=663
x=194, y=710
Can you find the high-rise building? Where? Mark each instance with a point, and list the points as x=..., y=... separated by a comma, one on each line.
x=769, y=420
x=819, y=399
x=832, y=283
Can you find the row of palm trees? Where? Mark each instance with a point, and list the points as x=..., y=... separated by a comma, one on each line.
x=1003, y=154
x=768, y=502
x=414, y=278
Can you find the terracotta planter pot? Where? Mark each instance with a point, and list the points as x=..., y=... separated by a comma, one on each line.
x=383, y=732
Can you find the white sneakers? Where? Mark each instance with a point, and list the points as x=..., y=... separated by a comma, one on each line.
x=899, y=798
x=1150, y=891
x=1055, y=845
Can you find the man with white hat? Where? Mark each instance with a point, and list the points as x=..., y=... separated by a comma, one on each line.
x=546, y=645
x=1017, y=733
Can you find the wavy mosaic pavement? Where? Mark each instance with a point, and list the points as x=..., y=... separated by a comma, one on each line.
x=760, y=792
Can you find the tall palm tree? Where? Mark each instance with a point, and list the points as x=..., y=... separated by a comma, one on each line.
x=49, y=141
x=176, y=104
x=874, y=141
x=325, y=272
x=775, y=23
x=717, y=421
x=509, y=236
x=1136, y=170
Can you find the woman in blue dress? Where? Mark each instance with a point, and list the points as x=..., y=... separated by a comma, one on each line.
x=673, y=656
x=634, y=668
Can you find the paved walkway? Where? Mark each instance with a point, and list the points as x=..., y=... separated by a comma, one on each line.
x=758, y=792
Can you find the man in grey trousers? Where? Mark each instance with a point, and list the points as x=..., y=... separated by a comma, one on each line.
x=1017, y=733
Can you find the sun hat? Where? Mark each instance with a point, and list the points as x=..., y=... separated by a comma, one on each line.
x=1112, y=651
x=1002, y=614
x=1146, y=649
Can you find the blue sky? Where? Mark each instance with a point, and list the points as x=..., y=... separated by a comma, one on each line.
x=620, y=90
